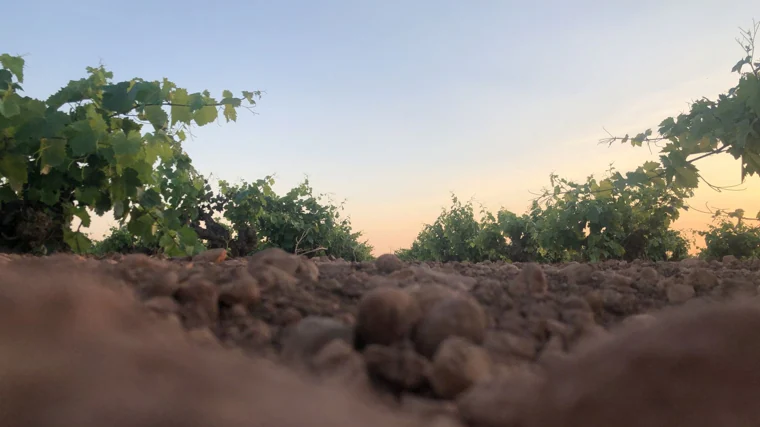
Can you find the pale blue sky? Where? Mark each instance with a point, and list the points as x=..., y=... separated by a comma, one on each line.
x=393, y=104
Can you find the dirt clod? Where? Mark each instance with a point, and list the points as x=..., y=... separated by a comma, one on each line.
x=702, y=279
x=211, y=255
x=692, y=357
x=679, y=293
x=388, y=263
x=198, y=301
x=306, y=338
x=500, y=401
x=399, y=365
x=385, y=316
x=244, y=291
x=457, y=365
x=453, y=316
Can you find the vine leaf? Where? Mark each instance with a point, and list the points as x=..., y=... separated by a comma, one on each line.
x=687, y=176
x=230, y=113
x=13, y=167
x=205, y=115
x=180, y=110
x=141, y=225
x=14, y=64
x=84, y=141
x=81, y=213
x=157, y=116
x=9, y=106
x=126, y=144
x=116, y=97
x=77, y=241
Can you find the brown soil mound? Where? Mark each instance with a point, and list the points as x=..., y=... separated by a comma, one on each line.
x=279, y=340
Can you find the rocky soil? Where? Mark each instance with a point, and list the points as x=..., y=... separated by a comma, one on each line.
x=279, y=340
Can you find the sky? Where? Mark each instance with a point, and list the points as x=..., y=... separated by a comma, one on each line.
x=392, y=105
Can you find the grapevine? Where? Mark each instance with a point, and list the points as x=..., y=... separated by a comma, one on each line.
x=97, y=146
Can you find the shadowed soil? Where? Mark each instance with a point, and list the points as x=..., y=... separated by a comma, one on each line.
x=280, y=340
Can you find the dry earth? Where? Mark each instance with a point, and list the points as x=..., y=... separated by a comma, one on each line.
x=278, y=340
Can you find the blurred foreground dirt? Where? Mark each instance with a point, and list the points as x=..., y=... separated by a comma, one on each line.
x=279, y=340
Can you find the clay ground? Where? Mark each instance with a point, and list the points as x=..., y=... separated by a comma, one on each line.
x=279, y=340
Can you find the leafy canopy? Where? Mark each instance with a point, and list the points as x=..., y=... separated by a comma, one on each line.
x=297, y=222
x=730, y=124
x=726, y=237
x=246, y=217
x=619, y=217
x=97, y=145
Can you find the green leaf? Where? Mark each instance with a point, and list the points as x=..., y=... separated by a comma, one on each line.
x=77, y=241
x=87, y=195
x=96, y=121
x=145, y=172
x=147, y=93
x=205, y=115
x=743, y=130
x=157, y=146
x=50, y=198
x=7, y=194
x=166, y=241
x=180, y=110
x=687, y=176
x=6, y=78
x=235, y=102
x=14, y=64
x=666, y=126
x=9, y=105
x=150, y=199
x=650, y=166
x=604, y=190
x=85, y=141
x=187, y=236
x=752, y=84
x=116, y=97
x=593, y=215
x=53, y=151
x=230, y=113
x=81, y=213
x=157, y=116
x=141, y=225
x=196, y=101
x=131, y=181
x=126, y=145
x=13, y=167
x=750, y=163
x=249, y=97
x=55, y=123
x=32, y=194
x=72, y=92
x=118, y=209
x=166, y=88
x=103, y=203
x=129, y=125
x=738, y=67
